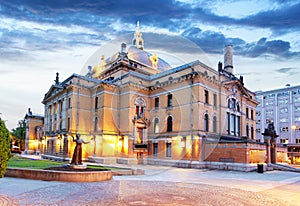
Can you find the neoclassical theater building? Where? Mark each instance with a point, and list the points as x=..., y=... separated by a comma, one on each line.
x=135, y=108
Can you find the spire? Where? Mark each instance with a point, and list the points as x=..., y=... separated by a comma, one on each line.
x=137, y=40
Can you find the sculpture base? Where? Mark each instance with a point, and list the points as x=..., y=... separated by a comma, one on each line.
x=78, y=167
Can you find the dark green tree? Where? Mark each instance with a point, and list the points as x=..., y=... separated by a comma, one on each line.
x=20, y=133
x=5, y=154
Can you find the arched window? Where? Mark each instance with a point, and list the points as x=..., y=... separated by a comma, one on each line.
x=206, y=123
x=96, y=124
x=214, y=124
x=156, y=125
x=140, y=104
x=169, y=124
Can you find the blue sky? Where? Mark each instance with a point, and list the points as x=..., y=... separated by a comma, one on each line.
x=39, y=38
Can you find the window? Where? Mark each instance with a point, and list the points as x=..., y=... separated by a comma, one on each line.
x=214, y=124
x=247, y=130
x=237, y=125
x=232, y=104
x=139, y=111
x=297, y=141
x=169, y=124
x=170, y=100
x=156, y=102
x=297, y=119
x=252, y=133
x=284, y=119
x=297, y=109
x=96, y=124
x=269, y=112
x=252, y=117
x=297, y=99
x=168, y=149
x=69, y=123
x=284, y=129
x=69, y=102
x=206, y=97
x=156, y=125
x=247, y=113
x=283, y=110
x=155, y=149
x=258, y=121
x=238, y=108
x=206, y=123
x=215, y=100
x=258, y=130
x=60, y=106
x=96, y=102
x=284, y=141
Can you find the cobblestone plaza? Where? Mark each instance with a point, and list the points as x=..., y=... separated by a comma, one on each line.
x=160, y=186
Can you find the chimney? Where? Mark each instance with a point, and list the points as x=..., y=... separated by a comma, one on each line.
x=123, y=48
x=228, y=66
x=220, y=67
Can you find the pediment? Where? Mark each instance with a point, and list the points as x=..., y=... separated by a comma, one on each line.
x=54, y=89
x=234, y=87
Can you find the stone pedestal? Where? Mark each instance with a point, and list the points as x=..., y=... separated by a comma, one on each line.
x=78, y=167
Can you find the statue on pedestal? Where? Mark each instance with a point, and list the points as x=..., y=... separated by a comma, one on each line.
x=77, y=155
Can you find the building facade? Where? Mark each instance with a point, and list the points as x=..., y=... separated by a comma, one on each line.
x=135, y=108
x=34, y=133
x=282, y=107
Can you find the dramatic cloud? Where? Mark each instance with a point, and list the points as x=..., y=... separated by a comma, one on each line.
x=281, y=20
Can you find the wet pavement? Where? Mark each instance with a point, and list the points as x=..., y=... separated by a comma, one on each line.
x=160, y=186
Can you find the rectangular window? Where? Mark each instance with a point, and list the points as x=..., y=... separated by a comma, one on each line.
x=232, y=124
x=69, y=103
x=297, y=141
x=168, y=149
x=252, y=117
x=206, y=97
x=284, y=141
x=228, y=123
x=96, y=102
x=156, y=102
x=247, y=113
x=155, y=149
x=297, y=109
x=69, y=123
x=215, y=100
x=237, y=126
x=284, y=129
x=252, y=133
x=170, y=100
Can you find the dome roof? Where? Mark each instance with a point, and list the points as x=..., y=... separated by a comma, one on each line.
x=148, y=59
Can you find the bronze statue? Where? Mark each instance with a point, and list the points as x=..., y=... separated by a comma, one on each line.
x=77, y=155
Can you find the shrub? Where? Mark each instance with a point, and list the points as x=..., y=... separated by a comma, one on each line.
x=4, y=147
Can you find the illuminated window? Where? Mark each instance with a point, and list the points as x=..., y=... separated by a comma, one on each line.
x=156, y=125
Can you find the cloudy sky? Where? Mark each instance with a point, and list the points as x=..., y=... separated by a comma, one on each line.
x=39, y=38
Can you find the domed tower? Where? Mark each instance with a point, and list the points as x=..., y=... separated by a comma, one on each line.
x=137, y=40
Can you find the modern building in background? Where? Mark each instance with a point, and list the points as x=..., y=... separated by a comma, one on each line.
x=133, y=107
x=282, y=107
